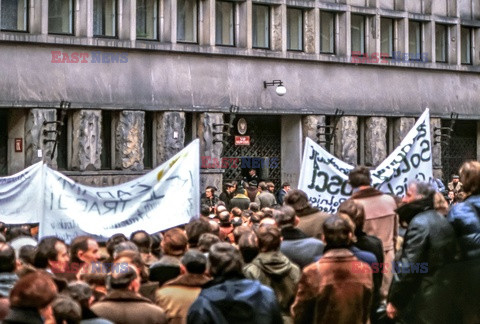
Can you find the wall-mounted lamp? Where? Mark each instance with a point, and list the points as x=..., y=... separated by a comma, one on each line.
x=280, y=90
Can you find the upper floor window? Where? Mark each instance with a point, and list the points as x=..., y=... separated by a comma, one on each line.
x=415, y=40
x=358, y=33
x=60, y=16
x=187, y=13
x=294, y=29
x=224, y=23
x=386, y=36
x=466, y=45
x=260, y=26
x=327, y=32
x=441, y=43
x=147, y=19
x=104, y=18
x=14, y=15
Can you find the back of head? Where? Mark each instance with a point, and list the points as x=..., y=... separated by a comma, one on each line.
x=359, y=176
x=224, y=260
x=175, y=242
x=337, y=232
x=284, y=217
x=470, y=177
x=46, y=251
x=123, y=279
x=355, y=211
x=206, y=241
x=239, y=231
x=297, y=199
x=142, y=240
x=195, y=262
x=124, y=246
x=194, y=229
x=34, y=290
x=114, y=240
x=236, y=211
x=224, y=218
x=66, y=310
x=254, y=207
x=237, y=221
x=424, y=189
x=263, y=185
x=248, y=246
x=204, y=210
x=269, y=238
x=80, y=291
x=27, y=254
x=7, y=258
x=267, y=212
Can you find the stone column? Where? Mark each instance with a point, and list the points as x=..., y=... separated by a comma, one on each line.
x=210, y=177
x=309, y=128
x=279, y=34
x=86, y=140
x=129, y=130
x=375, y=140
x=34, y=138
x=311, y=32
x=436, y=149
x=401, y=127
x=170, y=134
x=346, y=139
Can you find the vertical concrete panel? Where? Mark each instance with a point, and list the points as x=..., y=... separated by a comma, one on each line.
x=16, y=129
x=170, y=134
x=310, y=30
x=129, y=130
x=376, y=140
x=436, y=148
x=208, y=147
x=279, y=15
x=346, y=139
x=291, y=149
x=401, y=127
x=86, y=141
x=309, y=128
x=34, y=136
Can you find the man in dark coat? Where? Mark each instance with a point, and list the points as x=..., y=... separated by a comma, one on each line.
x=240, y=200
x=229, y=297
x=423, y=297
x=227, y=194
x=8, y=278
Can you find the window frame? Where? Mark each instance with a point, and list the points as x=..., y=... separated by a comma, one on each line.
x=72, y=23
x=334, y=20
x=103, y=24
x=156, y=36
x=26, y=16
x=418, y=56
x=470, y=41
x=392, y=37
x=302, y=31
x=363, y=42
x=445, y=39
x=196, y=24
x=234, y=11
x=269, y=22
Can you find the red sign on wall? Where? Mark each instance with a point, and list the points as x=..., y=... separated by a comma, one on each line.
x=242, y=140
x=19, y=145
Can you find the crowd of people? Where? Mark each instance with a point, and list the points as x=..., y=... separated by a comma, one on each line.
x=256, y=255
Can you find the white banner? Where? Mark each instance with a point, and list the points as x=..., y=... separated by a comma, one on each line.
x=165, y=197
x=324, y=177
x=21, y=199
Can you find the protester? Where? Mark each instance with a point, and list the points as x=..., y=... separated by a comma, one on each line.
x=226, y=227
x=429, y=241
x=296, y=245
x=248, y=246
x=84, y=251
x=229, y=297
x=144, y=243
x=194, y=229
x=83, y=295
x=329, y=290
x=265, y=198
x=465, y=219
x=282, y=192
x=124, y=305
x=66, y=310
x=227, y=194
x=177, y=295
x=311, y=219
x=455, y=185
x=240, y=199
x=8, y=278
x=206, y=241
x=210, y=199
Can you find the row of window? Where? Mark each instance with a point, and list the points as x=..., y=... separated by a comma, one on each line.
x=14, y=14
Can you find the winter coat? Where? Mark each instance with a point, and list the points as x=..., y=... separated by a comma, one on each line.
x=126, y=307
x=241, y=201
x=330, y=292
x=23, y=315
x=275, y=270
x=177, y=295
x=299, y=248
x=430, y=239
x=311, y=221
x=266, y=199
x=235, y=301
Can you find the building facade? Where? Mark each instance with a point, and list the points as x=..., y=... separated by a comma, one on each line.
x=104, y=90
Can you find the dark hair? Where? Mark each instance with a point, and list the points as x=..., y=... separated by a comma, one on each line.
x=269, y=238
x=224, y=218
x=236, y=211
x=224, y=260
x=239, y=231
x=206, y=241
x=336, y=231
x=204, y=210
x=175, y=242
x=194, y=229
x=285, y=184
x=34, y=290
x=470, y=177
x=355, y=211
x=113, y=241
x=135, y=259
x=142, y=240
x=195, y=261
x=80, y=243
x=297, y=199
x=66, y=310
x=257, y=217
x=124, y=246
x=214, y=227
x=254, y=207
x=424, y=189
x=122, y=279
x=7, y=258
x=284, y=217
x=79, y=291
x=46, y=251
x=248, y=246
x=237, y=221
x=246, y=213
x=263, y=186
x=359, y=176
x=17, y=231
x=27, y=254
x=267, y=212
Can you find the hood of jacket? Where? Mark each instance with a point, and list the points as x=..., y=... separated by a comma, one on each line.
x=7, y=281
x=274, y=264
x=410, y=210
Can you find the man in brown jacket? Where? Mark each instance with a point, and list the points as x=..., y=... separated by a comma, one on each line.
x=177, y=295
x=331, y=290
x=311, y=219
x=380, y=217
x=124, y=305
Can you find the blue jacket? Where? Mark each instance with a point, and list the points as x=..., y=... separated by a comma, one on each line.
x=235, y=301
x=465, y=219
x=300, y=248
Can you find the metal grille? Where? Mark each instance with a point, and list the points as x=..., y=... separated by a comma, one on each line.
x=265, y=142
x=462, y=147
